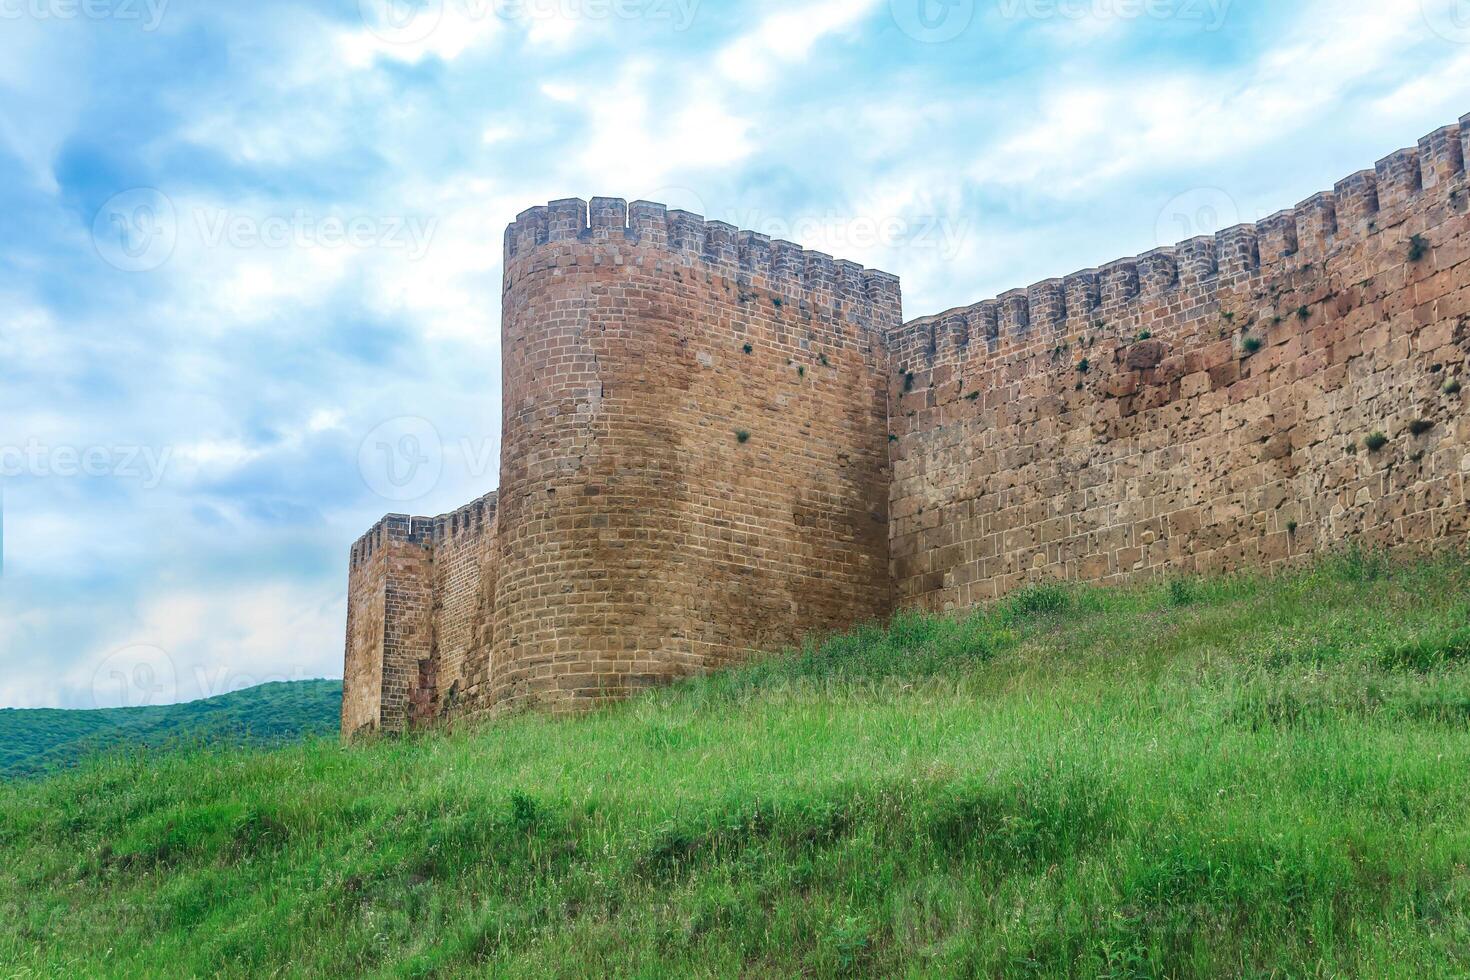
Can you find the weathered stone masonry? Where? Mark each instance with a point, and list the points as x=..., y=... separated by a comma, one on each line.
x=1200, y=407
x=715, y=443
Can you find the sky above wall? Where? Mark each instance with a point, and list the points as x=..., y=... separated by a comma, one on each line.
x=250, y=253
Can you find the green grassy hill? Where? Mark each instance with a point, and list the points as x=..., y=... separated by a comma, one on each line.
x=1243, y=777
x=38, y=741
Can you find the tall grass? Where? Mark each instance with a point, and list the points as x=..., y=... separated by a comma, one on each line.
x=1247, y=776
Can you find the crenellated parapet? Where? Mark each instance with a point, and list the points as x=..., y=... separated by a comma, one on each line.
x=473, y=516
x=866, y=296
x=422, y=531
x=1201, y=270
x=392, y=529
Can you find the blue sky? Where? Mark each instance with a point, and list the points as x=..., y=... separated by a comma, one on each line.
x=245, y=245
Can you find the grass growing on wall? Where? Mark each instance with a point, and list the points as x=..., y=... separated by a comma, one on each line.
x=1246, y=776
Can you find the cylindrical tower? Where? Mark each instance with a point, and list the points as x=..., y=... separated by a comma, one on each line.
x=695, y=456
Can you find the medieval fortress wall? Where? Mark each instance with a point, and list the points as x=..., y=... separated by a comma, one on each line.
x=715, y=444
x=1200, y=407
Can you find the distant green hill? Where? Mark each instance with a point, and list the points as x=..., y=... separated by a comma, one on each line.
x=37, y=741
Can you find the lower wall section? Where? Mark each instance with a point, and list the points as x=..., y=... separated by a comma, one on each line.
x=362, y=675
x=420, y=619
x=464, y=604
x=389, y=633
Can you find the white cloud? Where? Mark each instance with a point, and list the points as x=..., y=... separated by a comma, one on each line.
x=787, y=37
x=218, y=456
x=496, y=133
x=451, y=292
x=325, y=420
x=634, y=145
x=1442, y=86
x=559, y=91
x=1086, y=132
x=243, y=262
x=399, y=32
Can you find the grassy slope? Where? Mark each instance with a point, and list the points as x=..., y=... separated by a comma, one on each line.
x=1244, y=777
x=33, y=742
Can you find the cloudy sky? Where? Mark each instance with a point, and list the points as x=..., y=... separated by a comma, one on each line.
x=244, y=246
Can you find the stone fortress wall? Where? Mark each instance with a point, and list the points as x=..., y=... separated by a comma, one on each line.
x=715, y=444
x=1201, y=407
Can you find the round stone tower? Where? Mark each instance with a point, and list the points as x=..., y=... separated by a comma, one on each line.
x=695, y=457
